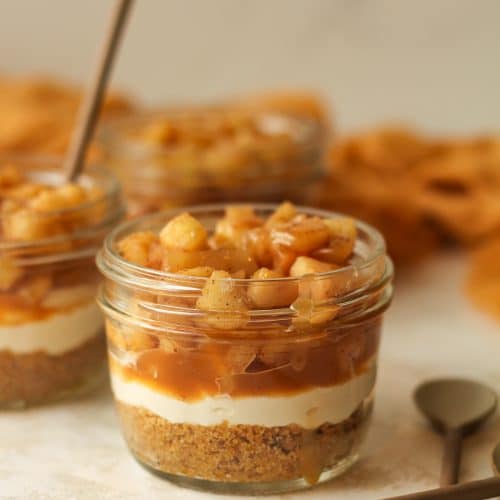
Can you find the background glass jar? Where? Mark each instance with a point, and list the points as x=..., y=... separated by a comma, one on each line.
x=222, y=154
x=51, y=329
x=245, y=400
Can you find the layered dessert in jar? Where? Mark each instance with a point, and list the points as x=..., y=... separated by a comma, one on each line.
x=51, y=329
x=243, y=342
x=258, y=149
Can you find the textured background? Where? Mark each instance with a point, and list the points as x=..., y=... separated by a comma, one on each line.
x=434, y=62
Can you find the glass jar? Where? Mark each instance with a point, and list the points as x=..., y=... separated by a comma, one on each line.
x=248, y=400
x=52, y=340
x=206, y=155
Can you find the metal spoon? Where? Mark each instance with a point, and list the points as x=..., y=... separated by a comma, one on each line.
x=472, y=490
x=91, y=105
x=455, y=408
x=495, y=460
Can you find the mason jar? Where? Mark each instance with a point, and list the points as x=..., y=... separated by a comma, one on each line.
x=214, y=154
x=252, y=400
x=51, y=330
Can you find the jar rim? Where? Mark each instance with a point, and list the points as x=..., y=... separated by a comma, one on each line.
x=155, y=279
x=47, y=169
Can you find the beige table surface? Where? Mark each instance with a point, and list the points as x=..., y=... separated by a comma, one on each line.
x=75, y=451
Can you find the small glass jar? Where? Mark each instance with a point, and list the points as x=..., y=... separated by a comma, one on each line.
x=207, y=155
x=248, y=401
x=52, y=340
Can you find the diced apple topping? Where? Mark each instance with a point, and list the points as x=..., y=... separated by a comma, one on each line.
x=184, y=233
x=126, y=339
x=302, y=235
x=318, y=288
x=200, y=271
x=225, y=259
x=284, y=213
x=343, y=238
x=218, y=146
x=244, y=246
x=269, y=294
x=39, y=225
x=139, y=341
x=136, y=247
x=233, y=228
x=225, y=302
x=32, y=211
x=283, y=258
x=26, y=225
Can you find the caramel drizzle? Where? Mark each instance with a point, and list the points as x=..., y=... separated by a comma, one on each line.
x=212, y=368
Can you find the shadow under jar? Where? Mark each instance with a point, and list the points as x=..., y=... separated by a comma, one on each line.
x=206, y=155
x=248, y=400
x=52, y=340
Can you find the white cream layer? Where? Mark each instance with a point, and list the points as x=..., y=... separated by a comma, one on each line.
x=54, y=335
x=308, y=409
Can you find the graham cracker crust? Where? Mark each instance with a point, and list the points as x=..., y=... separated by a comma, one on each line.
x=241, y=453
x=27, y=379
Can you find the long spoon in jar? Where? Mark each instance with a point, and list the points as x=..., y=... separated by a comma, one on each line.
x=91, y=105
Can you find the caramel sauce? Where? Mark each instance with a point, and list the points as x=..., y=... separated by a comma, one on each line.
x=214, y=368
x=14, y=310
x=22, y=304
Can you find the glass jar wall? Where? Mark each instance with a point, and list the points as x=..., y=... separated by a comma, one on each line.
x=250, y=399
x=51, y=329
x=218, y=154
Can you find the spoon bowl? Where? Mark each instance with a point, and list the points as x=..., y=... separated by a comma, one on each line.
x=455, y=403
x=455, y=407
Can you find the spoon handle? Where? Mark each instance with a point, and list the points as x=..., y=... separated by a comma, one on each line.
x=91, y=104
x=473, y=490
x=451, y=457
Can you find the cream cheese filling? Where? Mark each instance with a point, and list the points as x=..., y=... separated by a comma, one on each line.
x=57, y=334
x=308, y=409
